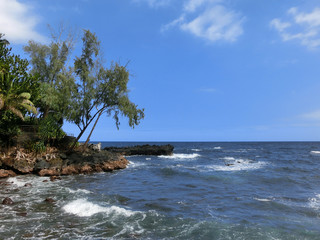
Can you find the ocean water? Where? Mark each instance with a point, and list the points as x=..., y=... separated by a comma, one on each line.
x=204, y=191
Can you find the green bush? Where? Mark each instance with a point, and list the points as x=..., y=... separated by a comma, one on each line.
x=9, y=128
x=38, y=147
x=50, y=130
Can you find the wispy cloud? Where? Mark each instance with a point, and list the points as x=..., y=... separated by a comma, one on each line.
x=18, y=23
x=300, y=26
x=313, y=116
x=207, y=19
x=214, y=24
x=154, y=3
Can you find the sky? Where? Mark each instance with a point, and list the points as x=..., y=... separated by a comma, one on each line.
x=203, y=70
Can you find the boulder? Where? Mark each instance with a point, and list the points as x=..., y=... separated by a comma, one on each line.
x=95, y=147
x=48, y=172
x=50, y=200
x=7, y=201
x=6, y=173
x=53, y=178
x=22, y=214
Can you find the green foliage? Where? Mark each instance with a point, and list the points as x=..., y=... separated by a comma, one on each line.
x=49, y=63
x=9, y=128
x=18, y=90
x=50, y=129
x=37, y=147
x=16, y=84
x=100, y=90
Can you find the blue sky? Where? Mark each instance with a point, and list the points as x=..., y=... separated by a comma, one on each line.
x=204, y=70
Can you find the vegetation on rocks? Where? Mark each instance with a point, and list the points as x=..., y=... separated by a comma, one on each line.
x=36, y=99
x=53, y=90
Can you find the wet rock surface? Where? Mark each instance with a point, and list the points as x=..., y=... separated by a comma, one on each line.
x=143, y=150
x=7, y=201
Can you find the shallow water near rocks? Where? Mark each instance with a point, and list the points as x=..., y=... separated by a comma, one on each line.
x=204, y=191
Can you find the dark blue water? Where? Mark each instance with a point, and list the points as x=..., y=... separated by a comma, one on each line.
x=203, y=191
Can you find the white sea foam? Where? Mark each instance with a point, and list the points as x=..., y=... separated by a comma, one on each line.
x=196, y=150
x=17, y=181
x=78, y=191
x=315, y=202
x=217, y=148
x=234, y=164
x=315, y=153
x=84, y=208
x=135, y=164
x=181, y=156
x=20, y=181
x=262, y=199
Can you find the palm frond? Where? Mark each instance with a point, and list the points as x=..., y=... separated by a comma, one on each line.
x=16, y=112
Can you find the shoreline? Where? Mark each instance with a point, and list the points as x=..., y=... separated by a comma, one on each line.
x=55, y=162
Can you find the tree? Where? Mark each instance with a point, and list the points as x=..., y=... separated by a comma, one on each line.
x=18, y=90
x=15, y=82
x=49, y=63
x=100, y=90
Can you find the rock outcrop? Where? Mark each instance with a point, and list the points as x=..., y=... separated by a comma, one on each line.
x=56, y=164
x=143, y=150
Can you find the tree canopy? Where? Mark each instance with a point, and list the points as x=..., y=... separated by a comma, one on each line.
x=101, y=90
x=49, y=63
x=18, y=90
x=81, y=93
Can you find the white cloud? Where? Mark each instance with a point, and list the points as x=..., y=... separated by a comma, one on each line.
x=193, y=5
x=209, y=20
x=18, y=23
x=206, y=19
x=214, y=24
x=302, y=27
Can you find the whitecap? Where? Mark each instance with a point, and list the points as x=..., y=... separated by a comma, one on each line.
x=262, y=199
x=84, y=208
x=78, y=191
x=315, y=153
x=314, y=202
x=196, y=150
x=217, y=148
x=181, y=156
x=135, y=164
x=233, y=164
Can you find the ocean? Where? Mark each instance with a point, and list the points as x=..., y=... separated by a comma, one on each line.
x=210, y=190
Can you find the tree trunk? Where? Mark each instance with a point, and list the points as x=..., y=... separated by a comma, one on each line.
x=77, y=139
x=46, y=112
x=88, y=139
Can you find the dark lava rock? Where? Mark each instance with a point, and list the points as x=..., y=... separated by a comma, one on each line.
x=53, y=178
x=143, y=150
x=50, y=200
x=28, y=185
x=7, y=201
x=22, y=214
x=41, y=164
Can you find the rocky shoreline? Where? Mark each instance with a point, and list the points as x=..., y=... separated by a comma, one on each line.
x=56, y=163
x=146, y=149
